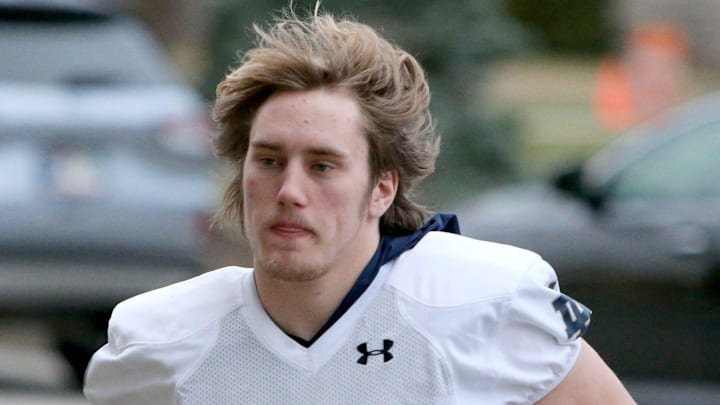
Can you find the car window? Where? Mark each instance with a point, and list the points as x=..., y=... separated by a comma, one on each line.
x=684, y=168
x=105, y=51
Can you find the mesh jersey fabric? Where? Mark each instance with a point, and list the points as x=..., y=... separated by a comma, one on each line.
x=240, y=370
x=453, y=320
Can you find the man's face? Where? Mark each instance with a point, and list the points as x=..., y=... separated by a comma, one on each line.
x=308, y=204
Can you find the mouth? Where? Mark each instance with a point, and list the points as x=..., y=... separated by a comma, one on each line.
x=290, y=230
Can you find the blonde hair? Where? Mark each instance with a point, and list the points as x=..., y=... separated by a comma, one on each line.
x=323, y=51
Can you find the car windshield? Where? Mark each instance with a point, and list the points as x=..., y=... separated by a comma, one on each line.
x=697, y=116
x=76, y=51
x=687, y=167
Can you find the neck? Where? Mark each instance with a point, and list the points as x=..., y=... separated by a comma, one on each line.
x=301, y=308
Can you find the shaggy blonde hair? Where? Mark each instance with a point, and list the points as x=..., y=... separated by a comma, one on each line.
x=324, y=51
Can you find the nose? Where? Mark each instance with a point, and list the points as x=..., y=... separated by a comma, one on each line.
x=293, y=190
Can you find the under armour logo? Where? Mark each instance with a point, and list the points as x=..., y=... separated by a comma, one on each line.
x=387, y=356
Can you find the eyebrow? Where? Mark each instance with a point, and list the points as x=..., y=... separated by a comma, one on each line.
x=313, y=150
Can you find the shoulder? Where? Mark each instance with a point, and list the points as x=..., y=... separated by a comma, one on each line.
x=494, y=304
x=156, y=337
x=448, y=269
x=170, y=312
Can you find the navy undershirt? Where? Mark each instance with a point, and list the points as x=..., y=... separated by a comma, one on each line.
x=389, y=248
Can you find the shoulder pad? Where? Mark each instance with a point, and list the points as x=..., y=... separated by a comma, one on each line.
x=446, y=269
x=172, y=312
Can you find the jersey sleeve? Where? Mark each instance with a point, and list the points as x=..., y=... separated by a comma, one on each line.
x=538, y=337
x=135, y=367
x=126, y=375
x=156, y=338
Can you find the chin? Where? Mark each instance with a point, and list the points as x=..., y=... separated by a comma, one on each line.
x=289, y=268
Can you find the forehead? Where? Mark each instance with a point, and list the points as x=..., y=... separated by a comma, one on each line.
x=325, y=118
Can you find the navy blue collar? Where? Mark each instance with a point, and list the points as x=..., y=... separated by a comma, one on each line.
x=389, y=248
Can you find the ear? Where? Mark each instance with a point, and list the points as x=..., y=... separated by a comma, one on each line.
x=383, y=193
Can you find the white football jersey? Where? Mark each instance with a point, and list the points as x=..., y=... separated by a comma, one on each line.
x=451, y=321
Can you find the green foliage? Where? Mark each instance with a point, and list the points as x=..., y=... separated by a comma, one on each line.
x=570, y=26
x=453, y=40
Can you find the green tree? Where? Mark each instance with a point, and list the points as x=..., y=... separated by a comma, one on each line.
x=568, y=26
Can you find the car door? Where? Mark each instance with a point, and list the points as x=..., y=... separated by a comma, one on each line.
x=662, y=213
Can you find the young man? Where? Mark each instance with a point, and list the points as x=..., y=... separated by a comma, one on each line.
x=353, y=298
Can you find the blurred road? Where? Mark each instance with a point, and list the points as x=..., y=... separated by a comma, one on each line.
x=31, y=372
x=42, y=399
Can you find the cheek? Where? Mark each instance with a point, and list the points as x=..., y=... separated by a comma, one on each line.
x=255, y=205
x=348, y=203
x=250, y=186
x=254, y=185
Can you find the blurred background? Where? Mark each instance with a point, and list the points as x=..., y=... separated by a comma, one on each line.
x=586, y=130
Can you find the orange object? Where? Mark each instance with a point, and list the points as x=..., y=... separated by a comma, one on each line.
x=613, y=98
x=646, y=80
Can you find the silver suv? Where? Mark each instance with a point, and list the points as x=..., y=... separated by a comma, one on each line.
x=105, y=169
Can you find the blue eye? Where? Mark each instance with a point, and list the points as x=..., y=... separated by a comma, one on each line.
x=268, y=162
x=322, y=167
